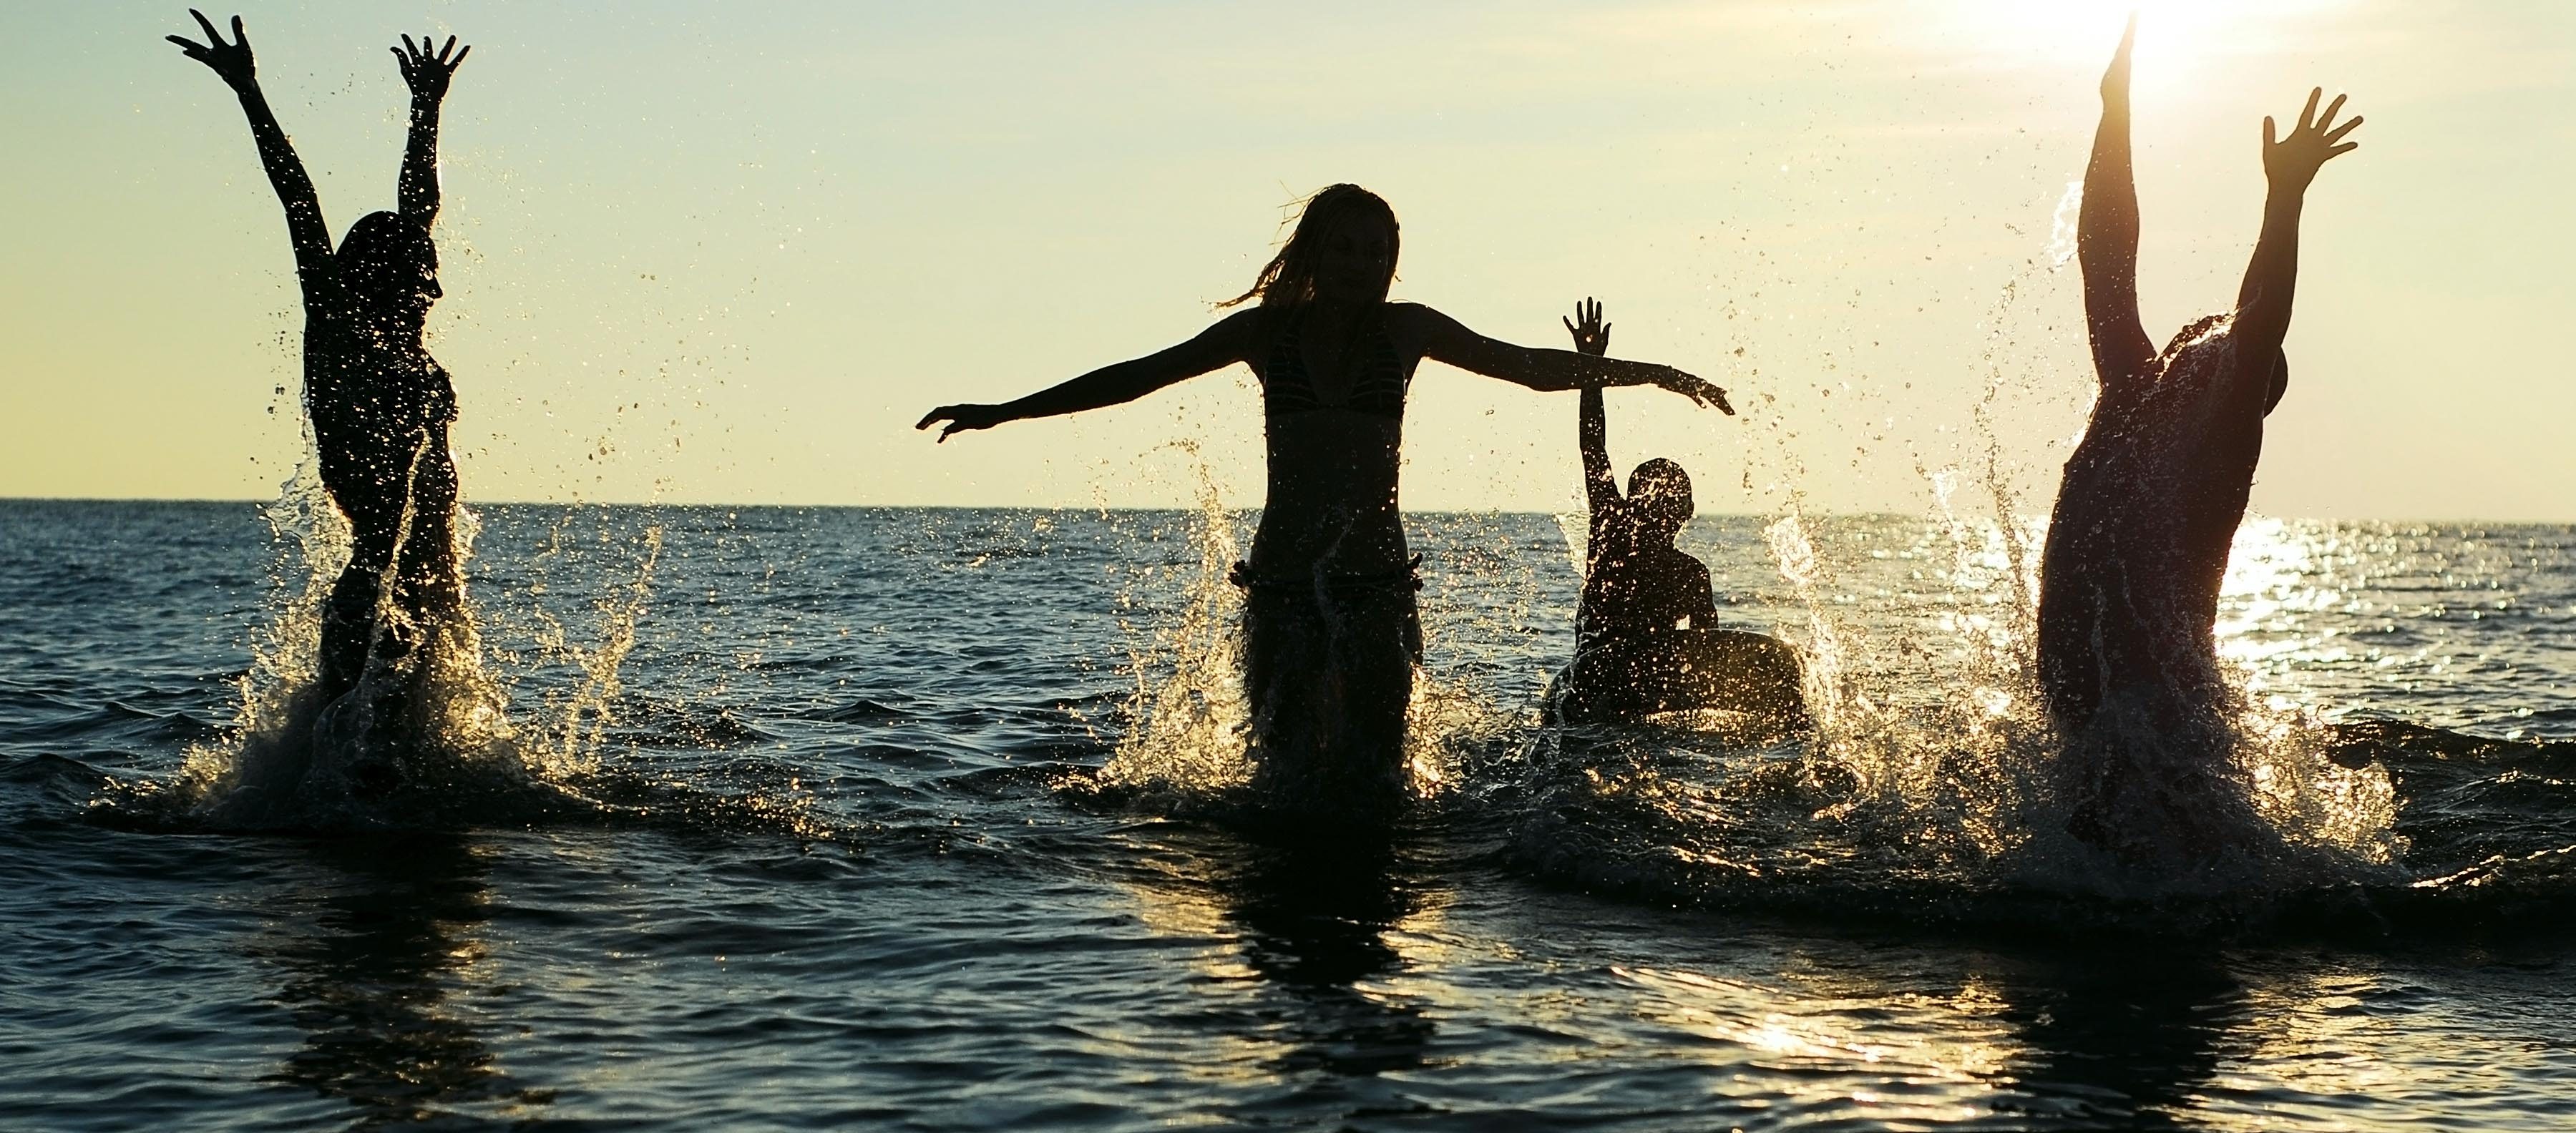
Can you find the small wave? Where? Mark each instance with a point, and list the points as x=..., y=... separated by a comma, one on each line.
x=1665, y=816
x=2357, y=743
x=655, y=722
x=425, y=739
x=114, y=724
x=860, y=711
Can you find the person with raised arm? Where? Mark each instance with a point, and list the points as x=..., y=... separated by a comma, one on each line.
x=379, y=405
x=2148, y=508
x=1331, y=634
x=1646, y=636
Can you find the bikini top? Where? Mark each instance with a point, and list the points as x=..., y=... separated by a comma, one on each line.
x=1377, y=383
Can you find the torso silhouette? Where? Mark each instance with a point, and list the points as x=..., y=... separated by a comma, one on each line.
x=381, y=407
x=1333, y=410
x=377, y=403
x=1632, y=591
x=2138, y=543
x=2148, y=508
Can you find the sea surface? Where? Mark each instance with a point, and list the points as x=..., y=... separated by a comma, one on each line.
x=929, y=819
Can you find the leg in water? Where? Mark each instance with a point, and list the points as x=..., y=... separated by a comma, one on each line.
x=1328, y=673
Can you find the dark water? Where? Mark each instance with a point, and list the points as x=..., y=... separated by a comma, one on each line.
x=838, y=856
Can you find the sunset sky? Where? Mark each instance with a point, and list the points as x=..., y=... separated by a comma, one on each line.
x=731, y=256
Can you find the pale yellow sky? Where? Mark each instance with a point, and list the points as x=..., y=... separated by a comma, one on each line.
x=731, y=257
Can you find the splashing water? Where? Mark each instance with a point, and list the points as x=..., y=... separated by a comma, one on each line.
x=1577, y=528
x=2061, y=225
x=1958, y=786
x=1186, y=745
x=1979, y=771
x=1187, y=714
x=440, y=714
x=581, y=717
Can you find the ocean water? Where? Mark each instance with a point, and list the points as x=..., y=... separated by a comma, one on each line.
x=923, y=819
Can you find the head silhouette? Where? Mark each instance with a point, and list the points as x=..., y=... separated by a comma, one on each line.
x=388, y=268
x=1343, y=249
x=1660, y=494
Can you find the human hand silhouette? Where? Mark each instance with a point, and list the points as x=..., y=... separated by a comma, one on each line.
x=2292, y=162
x=964, y=418
x=1696, y=389
x=2115, y=80
x=426, y=73
x=231, y=61
x=1591, y=335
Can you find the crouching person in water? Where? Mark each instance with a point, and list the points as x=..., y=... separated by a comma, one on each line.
x=1330, y=633
x=1646, y=639
x=379, y=405
x=2138, y=543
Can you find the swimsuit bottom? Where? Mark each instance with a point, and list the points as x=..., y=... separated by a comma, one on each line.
x=1407, y=578
x=1331, y=606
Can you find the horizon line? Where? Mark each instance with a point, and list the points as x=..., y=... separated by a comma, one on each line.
x=703, y=506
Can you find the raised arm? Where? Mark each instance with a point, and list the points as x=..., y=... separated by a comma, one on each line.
x=2106, y=233
x=1219, y=346
x=2290, y=164
x=1592, y=427
x=1547, y=370
x=232, y=61
x=427, y=75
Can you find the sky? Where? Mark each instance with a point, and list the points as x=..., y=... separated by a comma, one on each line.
x=730, y=255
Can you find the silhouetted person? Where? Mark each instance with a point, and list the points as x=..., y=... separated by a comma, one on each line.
x=2137, y=547
x=1646, y=638
x=379, y=404
x=1330, y=630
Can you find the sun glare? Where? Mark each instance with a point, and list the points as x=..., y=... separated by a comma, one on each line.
x=2178, y=40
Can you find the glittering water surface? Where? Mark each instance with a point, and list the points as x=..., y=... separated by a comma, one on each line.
x=833, y=846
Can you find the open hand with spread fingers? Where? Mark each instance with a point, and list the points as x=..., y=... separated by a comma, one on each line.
x=427, y=72
x=2293, y=161
x=1591, y=335
x=231, y=61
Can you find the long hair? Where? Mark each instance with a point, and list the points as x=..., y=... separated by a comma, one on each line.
x=1289, y=277
x=386, y=258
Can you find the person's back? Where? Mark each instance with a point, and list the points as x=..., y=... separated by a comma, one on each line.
x=1331, y=632
x=379, y=404
x=2149, y=504
x=2138, y=540
x=1636, y=583
x=1645, y=633
x=1335, y=378
x=2148, y=508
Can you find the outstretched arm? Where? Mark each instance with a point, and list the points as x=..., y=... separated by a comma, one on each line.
x=232, y=61
x=2290, y=164
x=1548, y=370
x=1222, y=345
x=2106, y=233
x=1592, y=427
x=427, y=75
